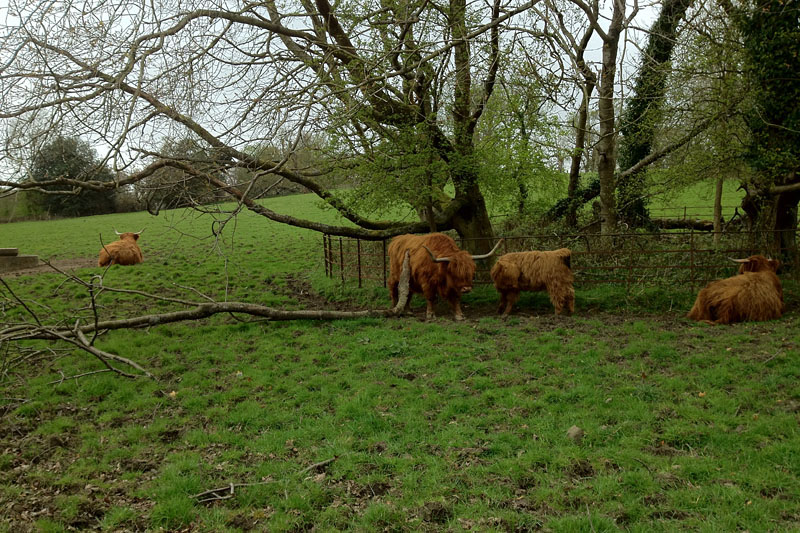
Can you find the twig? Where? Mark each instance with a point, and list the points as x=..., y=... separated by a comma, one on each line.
x=644, y=465
x=17, y=298
x=318, y=465
x=591, y=524
x=770, y=358
x=113, y=357
x=227, y=492
x=64, y=378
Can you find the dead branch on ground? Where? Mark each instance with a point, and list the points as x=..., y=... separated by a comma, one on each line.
x=37, y=329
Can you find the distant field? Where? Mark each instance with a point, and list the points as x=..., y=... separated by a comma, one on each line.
x=696, y=201
x=413, y=425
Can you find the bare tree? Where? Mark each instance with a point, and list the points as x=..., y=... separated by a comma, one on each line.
x=130, y=75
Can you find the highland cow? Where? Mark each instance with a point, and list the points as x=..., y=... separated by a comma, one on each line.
x=755, y=294
x=438, y=268
x=535, y=271
x=125, y=251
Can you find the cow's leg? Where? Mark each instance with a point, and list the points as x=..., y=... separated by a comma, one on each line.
x=456, y=305
x=511, y=299
x=430, y=295
x=502, y=305
x=393, y=292
x=429, y=314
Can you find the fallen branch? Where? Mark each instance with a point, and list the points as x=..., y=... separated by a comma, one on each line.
x=681, y=223
x=207, y=309
x=77, y=335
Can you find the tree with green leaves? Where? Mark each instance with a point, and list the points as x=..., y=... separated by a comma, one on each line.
x=59, y=171
x=642, y=114
x=770, y=31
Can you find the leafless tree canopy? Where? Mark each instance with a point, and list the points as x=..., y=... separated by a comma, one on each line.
x=342, y=81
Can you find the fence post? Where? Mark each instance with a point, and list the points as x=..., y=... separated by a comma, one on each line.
x=384, y=263
x=341, y=258
x=358, y=255
x=325, y=253
x=629, y=279
x=691, y=258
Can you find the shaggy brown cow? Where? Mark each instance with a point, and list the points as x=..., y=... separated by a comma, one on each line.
x=535, y=271
x=754, y=294
x=125, y=251
x=438, y=267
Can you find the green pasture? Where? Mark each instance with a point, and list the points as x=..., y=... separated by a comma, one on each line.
x=415, y=425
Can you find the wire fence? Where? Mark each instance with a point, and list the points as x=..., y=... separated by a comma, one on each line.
x=689, y=212
x=686, y=259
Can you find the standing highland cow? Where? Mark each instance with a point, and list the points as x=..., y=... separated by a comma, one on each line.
x=535, y=271
x=438, y=268
x=125, y=251
x=754, y=294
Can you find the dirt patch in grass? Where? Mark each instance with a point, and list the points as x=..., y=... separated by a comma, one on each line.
x=66, y=265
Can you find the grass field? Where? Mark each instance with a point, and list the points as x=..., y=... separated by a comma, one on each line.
x=413, y=425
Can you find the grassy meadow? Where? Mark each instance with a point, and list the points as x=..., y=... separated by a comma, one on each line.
x=382, y=424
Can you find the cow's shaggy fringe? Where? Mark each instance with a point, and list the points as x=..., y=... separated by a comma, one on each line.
x=125, y=251
x=446, y=280
x=535, y=271
x=755, y=294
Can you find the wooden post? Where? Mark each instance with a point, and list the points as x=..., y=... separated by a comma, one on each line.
x=384, y=263
x=358, y=260
x=325, y=253
x=691, y=259
x=341, y=258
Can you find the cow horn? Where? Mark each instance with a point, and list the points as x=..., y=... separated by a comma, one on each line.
x=484, y=256
x=436, y=259
x=115, y=231
x=739, y=260
x=140, y=231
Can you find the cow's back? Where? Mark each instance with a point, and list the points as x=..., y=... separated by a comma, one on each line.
x=751, y=296
x=121, y=252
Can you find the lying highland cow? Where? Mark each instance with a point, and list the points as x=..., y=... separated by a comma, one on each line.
x=125, y=251
x=535, y=271
x=438, y=268
x=755, y=294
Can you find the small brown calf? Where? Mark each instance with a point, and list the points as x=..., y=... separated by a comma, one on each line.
x=535, y=271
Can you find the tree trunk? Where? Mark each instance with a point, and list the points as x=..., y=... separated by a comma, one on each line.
x=642, y=113
x=577, y=155
x=785, y=235
x=472, y=221
x=773, y=220
x=607, y=145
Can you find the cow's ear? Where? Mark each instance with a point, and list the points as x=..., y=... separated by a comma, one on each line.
x=135, y=236
x=774, y=264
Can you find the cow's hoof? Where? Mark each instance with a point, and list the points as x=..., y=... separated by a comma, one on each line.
x=459, y=317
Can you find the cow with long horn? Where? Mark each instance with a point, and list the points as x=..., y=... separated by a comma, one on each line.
x=125, y=251
x=438, y=269
x=754, y=294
